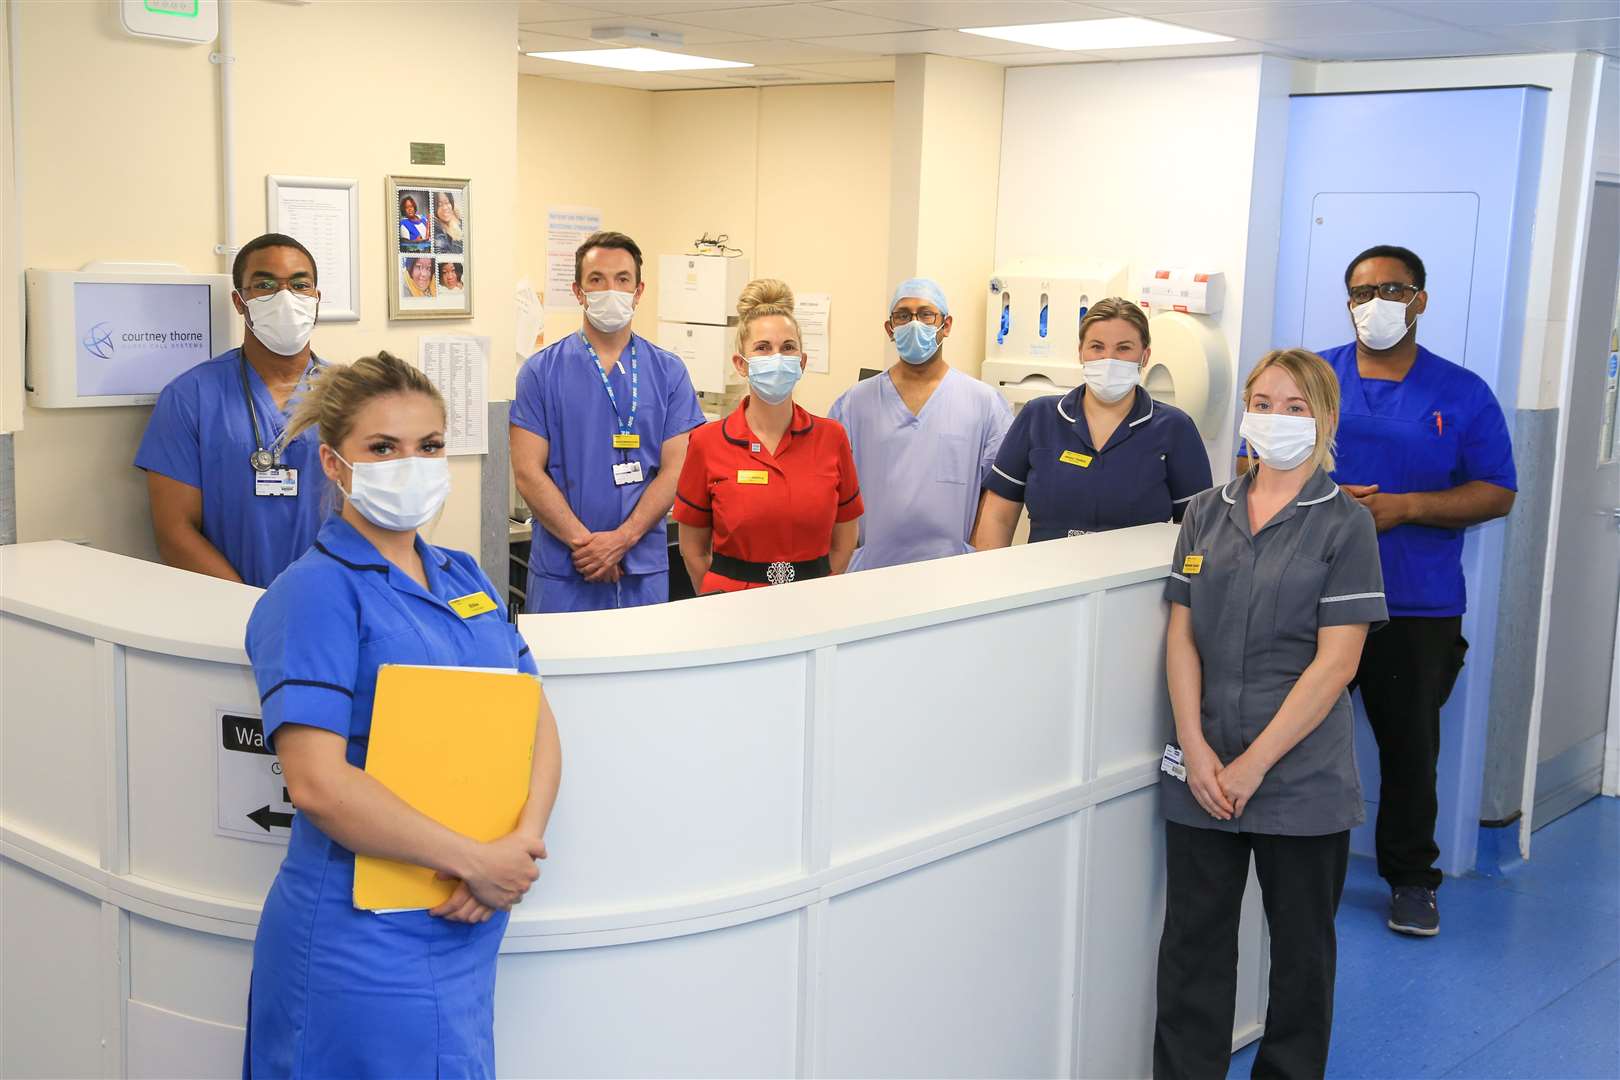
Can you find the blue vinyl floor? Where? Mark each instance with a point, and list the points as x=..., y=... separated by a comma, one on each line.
x=1523, y=980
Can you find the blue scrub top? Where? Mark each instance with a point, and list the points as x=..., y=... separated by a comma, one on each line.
x=920, y=472
x=560, y=398
x=1153, y=465
x=337, y=991
x=200, y=434
x=1438, y=428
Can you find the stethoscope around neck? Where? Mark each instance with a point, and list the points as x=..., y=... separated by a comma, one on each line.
x=263, y=458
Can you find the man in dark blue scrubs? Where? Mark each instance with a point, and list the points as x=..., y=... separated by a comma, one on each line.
x=1424, y=446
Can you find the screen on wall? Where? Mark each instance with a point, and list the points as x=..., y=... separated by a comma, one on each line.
x=132, y=338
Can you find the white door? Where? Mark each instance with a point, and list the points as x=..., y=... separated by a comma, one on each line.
x=1586, y=566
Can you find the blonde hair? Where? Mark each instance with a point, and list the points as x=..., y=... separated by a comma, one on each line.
x=1115, y=307
x=339, y=392
x=760, y=298
x=1318, y=384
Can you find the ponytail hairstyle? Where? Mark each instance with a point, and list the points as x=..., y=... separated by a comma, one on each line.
x=339, y=392
x=760, y=298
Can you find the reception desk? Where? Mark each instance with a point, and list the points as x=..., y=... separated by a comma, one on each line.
x=900, y=823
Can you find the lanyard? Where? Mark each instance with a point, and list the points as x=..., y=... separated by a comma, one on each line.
x=626, y=426
x=263, y=459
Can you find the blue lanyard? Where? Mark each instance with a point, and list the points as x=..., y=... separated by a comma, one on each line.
x=626, y=427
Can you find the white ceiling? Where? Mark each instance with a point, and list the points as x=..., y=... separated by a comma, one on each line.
x=831, y=41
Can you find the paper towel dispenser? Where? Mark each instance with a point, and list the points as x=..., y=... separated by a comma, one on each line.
x=1190, y=367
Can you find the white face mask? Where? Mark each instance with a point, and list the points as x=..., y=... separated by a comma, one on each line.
x=609, y=309
x=282, y=322
x=1111, y=379
x=1381, y=323
x=400, y=494
x=1283, y=442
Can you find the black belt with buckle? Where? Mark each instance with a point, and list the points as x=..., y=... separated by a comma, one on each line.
x=769, y=573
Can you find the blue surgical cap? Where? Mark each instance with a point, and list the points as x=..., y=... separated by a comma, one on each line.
x=923, y=289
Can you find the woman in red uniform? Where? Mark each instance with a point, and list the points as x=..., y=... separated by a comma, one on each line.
x=768, y=495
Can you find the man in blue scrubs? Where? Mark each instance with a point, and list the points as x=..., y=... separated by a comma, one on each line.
x=228, y=499
x=599, y=429
x=924, y=436
x=1423, y=445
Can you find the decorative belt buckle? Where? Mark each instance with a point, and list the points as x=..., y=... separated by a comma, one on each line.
x=779, y=573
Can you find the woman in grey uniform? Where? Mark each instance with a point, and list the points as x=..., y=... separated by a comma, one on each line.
x=1274, y=585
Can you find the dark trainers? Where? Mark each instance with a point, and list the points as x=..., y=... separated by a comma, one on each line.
x=1413, y=910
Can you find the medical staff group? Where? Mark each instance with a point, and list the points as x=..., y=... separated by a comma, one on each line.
x=1332, y=563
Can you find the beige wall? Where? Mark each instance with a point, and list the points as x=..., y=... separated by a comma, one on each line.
x=947, y=117
x=797, y=177
x=118, y=156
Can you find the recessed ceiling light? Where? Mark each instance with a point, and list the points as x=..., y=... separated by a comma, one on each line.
x=1092, y=35
x=637, y=59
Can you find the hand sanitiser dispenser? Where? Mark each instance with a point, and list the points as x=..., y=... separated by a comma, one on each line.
x=1032, y=340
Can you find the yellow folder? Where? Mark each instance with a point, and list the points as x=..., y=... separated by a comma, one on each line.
x=456, y=744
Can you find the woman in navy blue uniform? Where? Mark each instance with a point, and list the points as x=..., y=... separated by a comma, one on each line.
x=1103, y=456
x=337, y=991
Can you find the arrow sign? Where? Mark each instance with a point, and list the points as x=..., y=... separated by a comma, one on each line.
x=266, y=818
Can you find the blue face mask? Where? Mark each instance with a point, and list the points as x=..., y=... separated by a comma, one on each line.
x=772, y=378
x=915, y=342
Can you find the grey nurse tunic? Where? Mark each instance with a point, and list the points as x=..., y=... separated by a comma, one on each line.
x=1257, y=601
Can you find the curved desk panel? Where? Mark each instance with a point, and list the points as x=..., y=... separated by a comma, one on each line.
x=900, y=823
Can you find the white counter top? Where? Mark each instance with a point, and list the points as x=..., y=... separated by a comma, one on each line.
x=148, y=606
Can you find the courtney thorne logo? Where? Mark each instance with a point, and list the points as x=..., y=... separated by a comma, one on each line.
x=99, y=341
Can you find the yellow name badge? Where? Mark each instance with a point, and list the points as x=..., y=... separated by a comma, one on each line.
x=753, y=476
x=472, y=604
x=1074, y=457
x=1192, y=564
x=627, y=442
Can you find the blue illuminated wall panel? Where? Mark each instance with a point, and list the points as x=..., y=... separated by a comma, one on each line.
x=1452, y=175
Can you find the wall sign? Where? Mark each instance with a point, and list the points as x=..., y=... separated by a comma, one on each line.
x=251, y=801
x=427, y=153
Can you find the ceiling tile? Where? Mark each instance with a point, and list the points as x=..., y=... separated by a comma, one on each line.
x=940, y=42
x=1044, y=57
x=859, y=70
x=540, y=11
x=954, y=14
x=665, y=8
x=1236, y=47
x=1280, y=21
x=784, y=52
x=1401, y=45
x=630, y=80
x=802, y=21
x=1485, y=14
x=1593, y=34
x=1158, y=9
x=531, y=41
x=692, y=35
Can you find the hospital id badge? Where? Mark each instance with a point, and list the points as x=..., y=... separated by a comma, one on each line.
x=627, y=442
x=627, y=472
x=277, y=481
x=1171, y=763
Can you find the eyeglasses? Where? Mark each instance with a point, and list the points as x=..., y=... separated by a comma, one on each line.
x=263, y=287
x=1385, y=290
x=927, y=317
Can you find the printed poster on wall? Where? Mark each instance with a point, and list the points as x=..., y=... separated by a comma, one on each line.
x=566, y=229
x=459, y=367
x=814, y=313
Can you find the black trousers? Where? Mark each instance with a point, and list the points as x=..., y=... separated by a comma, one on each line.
x=1407, y=671
x=1301, y=880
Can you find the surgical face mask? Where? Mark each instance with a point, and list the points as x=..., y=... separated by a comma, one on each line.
x=1111, y=379
x=772, y=378
x=1283, y=442
x=609, y=309
x=281, y=321
x=915, y=342
x=1381, y=323
x=400, y=494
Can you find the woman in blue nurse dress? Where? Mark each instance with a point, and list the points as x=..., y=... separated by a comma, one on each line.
x=337, y=991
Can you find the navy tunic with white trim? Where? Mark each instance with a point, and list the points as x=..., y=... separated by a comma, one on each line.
x=1153, y=465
